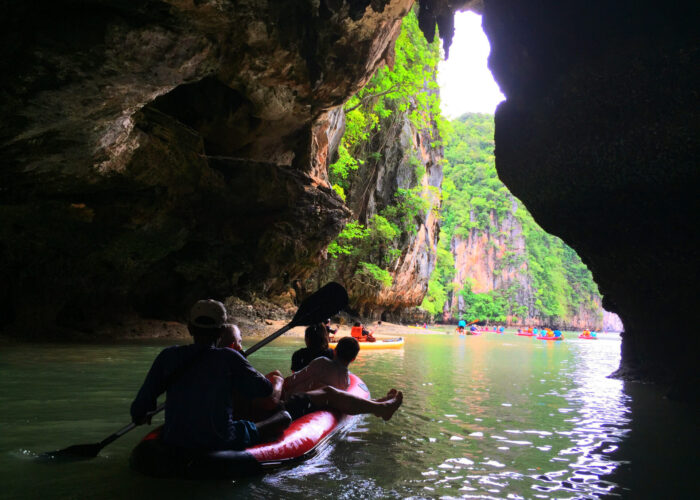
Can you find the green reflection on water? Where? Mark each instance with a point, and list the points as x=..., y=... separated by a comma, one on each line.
x=484, y=415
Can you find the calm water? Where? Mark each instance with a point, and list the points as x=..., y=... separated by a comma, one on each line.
x=491, y=416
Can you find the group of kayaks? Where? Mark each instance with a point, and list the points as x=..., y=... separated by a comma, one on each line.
x=538, y=334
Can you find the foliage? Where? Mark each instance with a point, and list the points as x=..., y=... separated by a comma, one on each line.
x=475, y=202
x=375, y=274
x=408, y=88
x=342, y=245
x=368, y=247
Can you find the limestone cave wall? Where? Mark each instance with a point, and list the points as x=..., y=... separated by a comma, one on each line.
x=156, y=152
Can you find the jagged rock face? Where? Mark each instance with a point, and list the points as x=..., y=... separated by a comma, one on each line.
x=599, y=138
x=401, y=150
x=495, y=259
x=404, y=146
x=154, y=152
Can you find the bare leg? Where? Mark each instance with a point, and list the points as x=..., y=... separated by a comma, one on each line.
x=344, y=402
x=272, y=427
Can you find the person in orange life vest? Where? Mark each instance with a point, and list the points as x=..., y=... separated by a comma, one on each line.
x=360, y=333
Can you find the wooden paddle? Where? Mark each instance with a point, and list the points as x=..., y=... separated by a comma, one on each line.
x=325, y=302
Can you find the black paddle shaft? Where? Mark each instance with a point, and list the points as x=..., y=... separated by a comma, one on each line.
x=325, y=302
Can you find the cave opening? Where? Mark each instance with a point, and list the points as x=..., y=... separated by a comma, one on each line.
x=507, y=268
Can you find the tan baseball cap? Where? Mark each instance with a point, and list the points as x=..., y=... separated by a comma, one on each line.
x=208, y=314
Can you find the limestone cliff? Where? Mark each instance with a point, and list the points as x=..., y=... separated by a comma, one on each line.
x=407, y=151
x=496, y=259
x=389, y=170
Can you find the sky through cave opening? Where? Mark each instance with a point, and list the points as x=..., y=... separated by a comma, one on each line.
x=466, y=83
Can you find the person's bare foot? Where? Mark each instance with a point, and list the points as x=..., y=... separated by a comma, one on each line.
x=388, y=407
x=389, y=395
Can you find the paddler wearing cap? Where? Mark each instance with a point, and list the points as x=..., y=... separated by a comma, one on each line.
x=199, y=379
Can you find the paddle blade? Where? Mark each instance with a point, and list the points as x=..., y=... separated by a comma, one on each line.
x=76, y=451
x=324, y=303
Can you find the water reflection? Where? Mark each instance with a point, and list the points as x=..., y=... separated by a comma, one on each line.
x=484, y=417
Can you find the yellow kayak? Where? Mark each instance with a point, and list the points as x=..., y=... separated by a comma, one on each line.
x=385, y=343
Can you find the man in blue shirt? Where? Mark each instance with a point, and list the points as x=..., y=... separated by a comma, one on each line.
x=199, y=379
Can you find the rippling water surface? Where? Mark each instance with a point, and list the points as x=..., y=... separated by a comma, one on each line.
x=491, y=416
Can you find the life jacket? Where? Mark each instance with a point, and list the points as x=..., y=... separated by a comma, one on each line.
x=356, y=332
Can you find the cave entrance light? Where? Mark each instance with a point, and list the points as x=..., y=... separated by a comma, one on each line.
x=466, y=84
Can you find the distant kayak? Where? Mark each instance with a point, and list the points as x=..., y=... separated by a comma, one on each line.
x=539, y=337
x=526, y=334
x=587, y=337
x=300, y=441
x=385, y=343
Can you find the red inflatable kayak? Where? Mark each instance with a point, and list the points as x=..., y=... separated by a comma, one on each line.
x=587, y=338
x=301, y=440
x=526, y=334
x=539, y=337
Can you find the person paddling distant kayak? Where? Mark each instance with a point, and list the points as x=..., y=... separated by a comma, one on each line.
x=199, y=379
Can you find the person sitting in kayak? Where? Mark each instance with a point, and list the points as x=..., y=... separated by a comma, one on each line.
x=316, y=338
x=199, y=379
x=360, y=333
x=322, y=386
x=557, y=333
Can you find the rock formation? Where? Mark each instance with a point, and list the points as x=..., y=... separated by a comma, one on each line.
x=612, y=322
x=157, y=151
x=599, y=137
x=161, y=151
x=496, y=259
x=401, y=157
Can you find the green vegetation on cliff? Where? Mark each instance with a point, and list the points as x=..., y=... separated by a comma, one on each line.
x=368, y=246
x=554, y=284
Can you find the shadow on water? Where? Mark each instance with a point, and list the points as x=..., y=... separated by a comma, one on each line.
x=659, y=455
